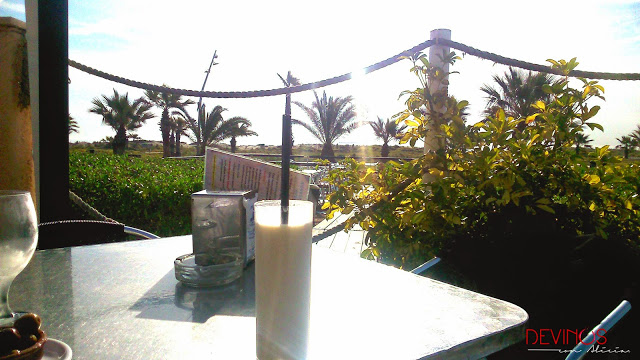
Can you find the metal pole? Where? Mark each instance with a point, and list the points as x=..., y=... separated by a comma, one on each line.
x=207, y=76
x=200, y=124
x=53, y=134
x=431, y=141
x=286, y=158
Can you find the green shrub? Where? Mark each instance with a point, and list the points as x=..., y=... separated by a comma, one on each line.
x=148, y=193
x=492, y=188
x=513, y=211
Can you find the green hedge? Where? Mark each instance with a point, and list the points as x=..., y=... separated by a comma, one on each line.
x=148, y=193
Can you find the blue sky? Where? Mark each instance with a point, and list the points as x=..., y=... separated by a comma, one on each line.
x=172, y=43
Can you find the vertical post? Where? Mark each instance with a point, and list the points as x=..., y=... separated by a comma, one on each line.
x=286, y=158
x=16, y=143
x=31, y=7
x=53, y=133
x=431, y=142
x=215, y=55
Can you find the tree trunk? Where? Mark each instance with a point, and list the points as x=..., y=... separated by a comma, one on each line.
x=178, y=150
x=626, y=152
x=327, y=152
x=233, y=144
x=385, y=150
x=165, y=129
x=172, y=143
x=120, y=141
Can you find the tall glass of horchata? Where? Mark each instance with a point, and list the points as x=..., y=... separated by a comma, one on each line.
x=283, y=279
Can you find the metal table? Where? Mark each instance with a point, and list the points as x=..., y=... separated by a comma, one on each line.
x=122, y=301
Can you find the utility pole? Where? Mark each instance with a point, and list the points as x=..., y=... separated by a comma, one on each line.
x=213, y=59
x=200, y=124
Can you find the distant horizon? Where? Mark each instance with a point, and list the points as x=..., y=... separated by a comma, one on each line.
x=418, y=146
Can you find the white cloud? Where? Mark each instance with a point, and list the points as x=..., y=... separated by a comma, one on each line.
x=16, y=7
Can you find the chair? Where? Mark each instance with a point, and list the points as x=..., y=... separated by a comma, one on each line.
x=422, y=268
x=583, y=347
x=66, y=233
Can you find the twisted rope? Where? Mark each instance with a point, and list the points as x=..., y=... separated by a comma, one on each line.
x=334, y=230
x=255, y=93
x=344, y=77
x=88, y=208
x=536, y=67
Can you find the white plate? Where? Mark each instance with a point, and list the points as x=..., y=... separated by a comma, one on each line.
x=56, y=350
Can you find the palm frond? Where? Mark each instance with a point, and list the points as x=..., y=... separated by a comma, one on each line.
x=118, y=111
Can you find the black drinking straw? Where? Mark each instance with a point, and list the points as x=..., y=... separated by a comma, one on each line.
x=286, y=158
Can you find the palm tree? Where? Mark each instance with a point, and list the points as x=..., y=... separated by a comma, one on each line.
x=73, y=125
x=166, y=102
x=515, y=93
x=211, y=128
x=289, y=81
x=330, y=119
x=581, y=140
x=178, y=127
x=635, y=134
x=121, y=115
x=386, y=131
x=628, y=144
x=240, y=127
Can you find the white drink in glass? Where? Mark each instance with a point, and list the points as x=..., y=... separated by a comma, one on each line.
x=283, y=280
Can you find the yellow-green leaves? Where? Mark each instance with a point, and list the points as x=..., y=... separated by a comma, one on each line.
x=593, y=126
x=367, y=176
x=543, y=204
x=564, y=66
x=592, y=179
x=591, y=113
x=531, y=118
x=436, y=172
x=533, y=140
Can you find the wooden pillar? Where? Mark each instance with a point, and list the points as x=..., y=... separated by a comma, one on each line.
x=47, y=33
x=431, y=142
x=16, y=144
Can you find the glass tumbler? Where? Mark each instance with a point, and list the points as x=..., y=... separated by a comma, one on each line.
x=283, y=279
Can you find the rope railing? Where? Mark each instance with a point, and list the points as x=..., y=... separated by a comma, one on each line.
x=536, y=67
x=344, y=77
x=89, y=209
x=254, y=93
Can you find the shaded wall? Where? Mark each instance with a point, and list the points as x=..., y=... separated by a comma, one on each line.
x=16, y=144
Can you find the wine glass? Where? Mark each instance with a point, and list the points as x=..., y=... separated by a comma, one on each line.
x=18, y=239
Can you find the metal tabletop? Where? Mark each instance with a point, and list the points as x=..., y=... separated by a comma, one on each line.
x=122, y=301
